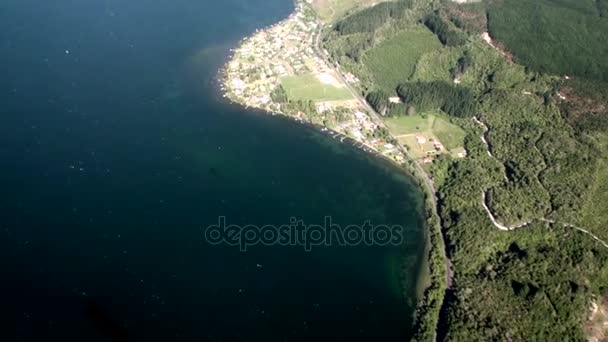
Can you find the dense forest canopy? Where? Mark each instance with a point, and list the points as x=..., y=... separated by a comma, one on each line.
x=442, y=29
x=372, y=18
x=563, y=37
x=428, y=96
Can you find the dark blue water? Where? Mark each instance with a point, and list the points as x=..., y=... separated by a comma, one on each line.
x=116, y=152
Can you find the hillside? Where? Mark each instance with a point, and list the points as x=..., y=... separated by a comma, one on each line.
x=523, y=211
x=563, y=37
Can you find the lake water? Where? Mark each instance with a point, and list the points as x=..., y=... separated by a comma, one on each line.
x=116, y=153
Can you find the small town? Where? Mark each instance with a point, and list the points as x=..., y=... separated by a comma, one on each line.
x=278, y=70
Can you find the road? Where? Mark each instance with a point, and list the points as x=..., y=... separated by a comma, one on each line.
x=509, y=228
x=430, y=187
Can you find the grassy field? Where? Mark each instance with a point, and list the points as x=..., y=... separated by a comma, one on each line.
x=449, y=134
x=418, y=151
x=402, y=125
x=430, y=126
x=330, y=10
x=394, y=60
x=309, y=87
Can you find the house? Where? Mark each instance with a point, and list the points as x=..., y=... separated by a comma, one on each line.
x=420, y=139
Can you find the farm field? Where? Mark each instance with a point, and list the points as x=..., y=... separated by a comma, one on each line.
x=394, y=61
x=403, y=125
x=309, y=88
x=449, y=134
x=432, y=128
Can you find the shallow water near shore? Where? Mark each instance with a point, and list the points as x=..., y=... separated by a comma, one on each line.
x=117, y=151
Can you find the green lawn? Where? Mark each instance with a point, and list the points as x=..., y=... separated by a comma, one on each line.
x=309, y=87
x=409, y=124
x=394, y=61
x=450, y=135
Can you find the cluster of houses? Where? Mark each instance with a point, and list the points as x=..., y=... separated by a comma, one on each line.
x=286, y=49
x=281, y=50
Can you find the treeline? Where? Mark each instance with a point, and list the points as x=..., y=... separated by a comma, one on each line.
x=279, y=95
x=425, y=96
x=353, y=47
x=444, y=32
x=429, y=307
x=370, y=19
x=379, y=100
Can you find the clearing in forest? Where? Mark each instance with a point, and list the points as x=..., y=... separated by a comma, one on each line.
x=427, y=135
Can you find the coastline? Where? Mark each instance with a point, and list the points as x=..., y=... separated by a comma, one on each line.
x=432, y=280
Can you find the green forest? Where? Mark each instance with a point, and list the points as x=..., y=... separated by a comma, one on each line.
x=372, y=18
x=442, y=29
x=537, y=153
x=563, y=37
x=428, y=96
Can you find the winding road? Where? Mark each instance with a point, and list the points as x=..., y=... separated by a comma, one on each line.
x=503, y=227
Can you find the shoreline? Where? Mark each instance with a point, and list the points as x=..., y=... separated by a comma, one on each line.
x=234, y=86
x=428, y=282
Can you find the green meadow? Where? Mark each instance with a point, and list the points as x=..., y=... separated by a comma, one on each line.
x=309, y=88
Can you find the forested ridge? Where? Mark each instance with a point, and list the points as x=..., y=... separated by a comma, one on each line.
x=372, y=18
x=571, y=39
x=544, y=163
